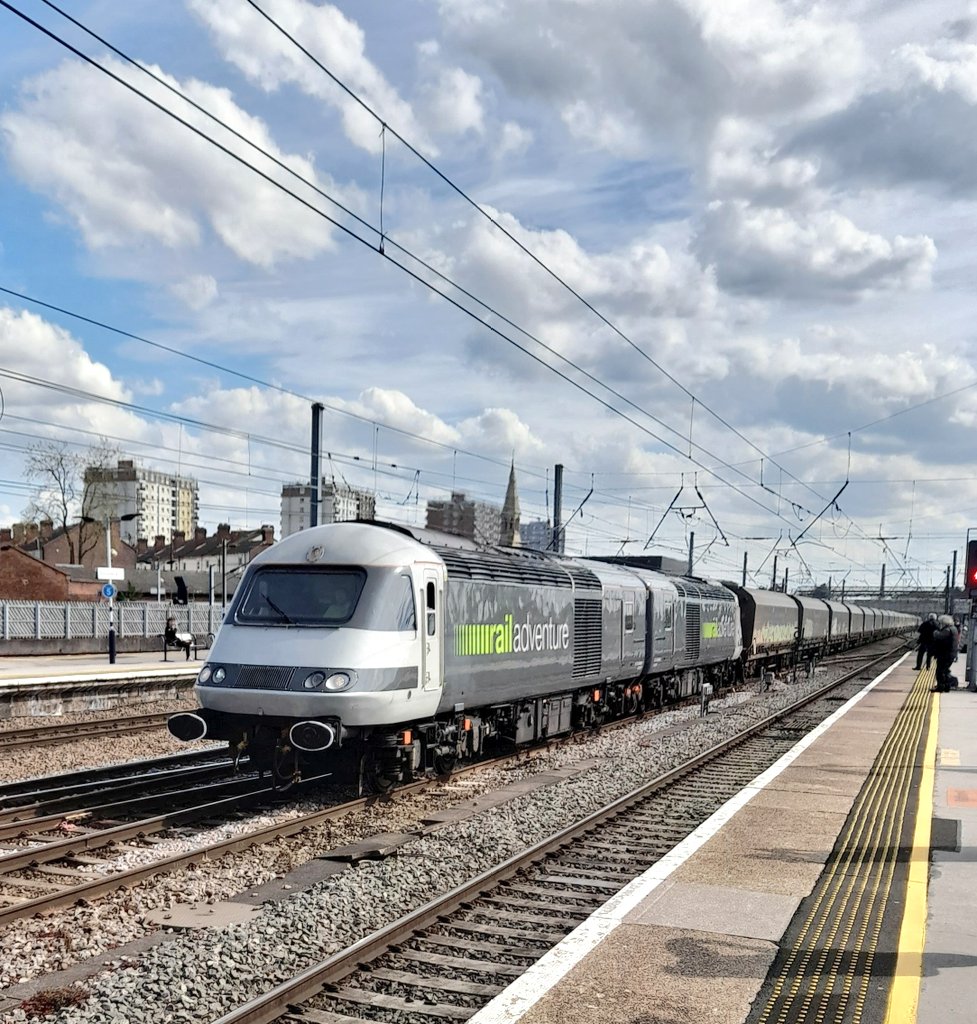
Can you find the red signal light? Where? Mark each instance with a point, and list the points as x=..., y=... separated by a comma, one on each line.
x=972, y=566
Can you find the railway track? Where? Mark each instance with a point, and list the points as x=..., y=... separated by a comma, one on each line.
x=449, y=957
x=65, y=783
x=120, y=798
x=59, y=823
x=53, y=864
x=48, y=872
x=45, y=735
x=48, y=861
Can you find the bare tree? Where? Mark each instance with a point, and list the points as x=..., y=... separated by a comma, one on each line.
x=65, y=490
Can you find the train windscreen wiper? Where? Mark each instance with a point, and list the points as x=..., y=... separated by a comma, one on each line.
x=281, y=611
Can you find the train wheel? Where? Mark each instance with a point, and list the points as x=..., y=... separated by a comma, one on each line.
x=375, y=776
x=444, y=764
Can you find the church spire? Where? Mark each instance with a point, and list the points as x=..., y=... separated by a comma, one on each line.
x=509, y=532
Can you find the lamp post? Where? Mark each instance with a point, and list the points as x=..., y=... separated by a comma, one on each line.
x=108, y=559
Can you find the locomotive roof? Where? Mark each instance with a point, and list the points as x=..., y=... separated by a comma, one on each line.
x=346, y=544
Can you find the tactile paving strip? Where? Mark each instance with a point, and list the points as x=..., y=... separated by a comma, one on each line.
x=824, y=970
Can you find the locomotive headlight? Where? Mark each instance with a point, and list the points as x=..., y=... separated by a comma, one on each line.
x=219, y=675
x=314, y=680
x=204, y=674
x=338, y=681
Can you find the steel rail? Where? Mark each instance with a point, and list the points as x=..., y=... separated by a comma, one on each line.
x=218, y=849
x=216, y=793
x=94, y=776
x=61, y=806
x=45, y=735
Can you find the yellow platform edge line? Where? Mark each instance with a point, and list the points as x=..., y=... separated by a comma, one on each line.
x=904, y=994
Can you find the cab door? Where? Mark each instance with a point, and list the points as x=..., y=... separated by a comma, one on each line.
x=432, y=628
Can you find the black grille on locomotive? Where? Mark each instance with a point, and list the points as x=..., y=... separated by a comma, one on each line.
x=583, y=578
x=693, y=631
x=485, y=565
x=261, y=677
x=586, y=637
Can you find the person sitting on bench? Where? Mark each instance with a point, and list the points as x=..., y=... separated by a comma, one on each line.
x=173, y=639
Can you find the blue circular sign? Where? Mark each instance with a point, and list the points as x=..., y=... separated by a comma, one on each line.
x=109, y=591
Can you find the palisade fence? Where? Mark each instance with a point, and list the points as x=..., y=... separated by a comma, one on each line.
x=68, y=620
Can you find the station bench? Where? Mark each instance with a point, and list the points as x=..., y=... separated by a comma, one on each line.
x=177, y=646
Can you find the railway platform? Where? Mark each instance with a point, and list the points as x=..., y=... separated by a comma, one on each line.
x=837, y=889
x=48, y=686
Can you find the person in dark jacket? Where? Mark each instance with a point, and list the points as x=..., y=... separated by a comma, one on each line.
x=944, y=646
x=926, y=630
x=174, y=639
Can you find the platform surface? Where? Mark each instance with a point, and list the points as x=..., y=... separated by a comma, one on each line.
x=697, y=942
x=20, y=670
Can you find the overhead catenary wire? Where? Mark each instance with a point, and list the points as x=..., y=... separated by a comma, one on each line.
x=270, y=385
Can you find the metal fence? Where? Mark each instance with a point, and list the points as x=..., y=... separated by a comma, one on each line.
x=67, y=620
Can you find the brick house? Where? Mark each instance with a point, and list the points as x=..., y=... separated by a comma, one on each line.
x=26, y=578
x=86, y=547
x=199, y=552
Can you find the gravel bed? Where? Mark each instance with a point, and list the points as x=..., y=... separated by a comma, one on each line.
x=197, y=976
x=31, y=762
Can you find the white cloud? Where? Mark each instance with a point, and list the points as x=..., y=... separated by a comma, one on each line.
x=776, y=55
x=743, y=162
x=844, y=361
x=266, y=57
x=395, y=409
x=153, y=388
x=947, y=66
x=457, y=104
x=513, y=139
x=33, y=347
x=126, y=174
x=450, y=97
x=197, y=291
x=803, y=255
x=501, y=432
x=916, y=123
x=640, y=278
x=667, y=68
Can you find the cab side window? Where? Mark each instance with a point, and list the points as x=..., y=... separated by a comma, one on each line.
x=429, y=602
x=628, y=616
x=406, y=618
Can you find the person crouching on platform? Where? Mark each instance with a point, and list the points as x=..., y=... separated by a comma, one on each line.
x=944, y=646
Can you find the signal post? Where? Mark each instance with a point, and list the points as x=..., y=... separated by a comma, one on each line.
x=972, y=594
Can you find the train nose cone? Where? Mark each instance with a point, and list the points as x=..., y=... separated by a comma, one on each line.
x=312, y=736
x=187, y=726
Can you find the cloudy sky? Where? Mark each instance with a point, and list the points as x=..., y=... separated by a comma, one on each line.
x=715, y=259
